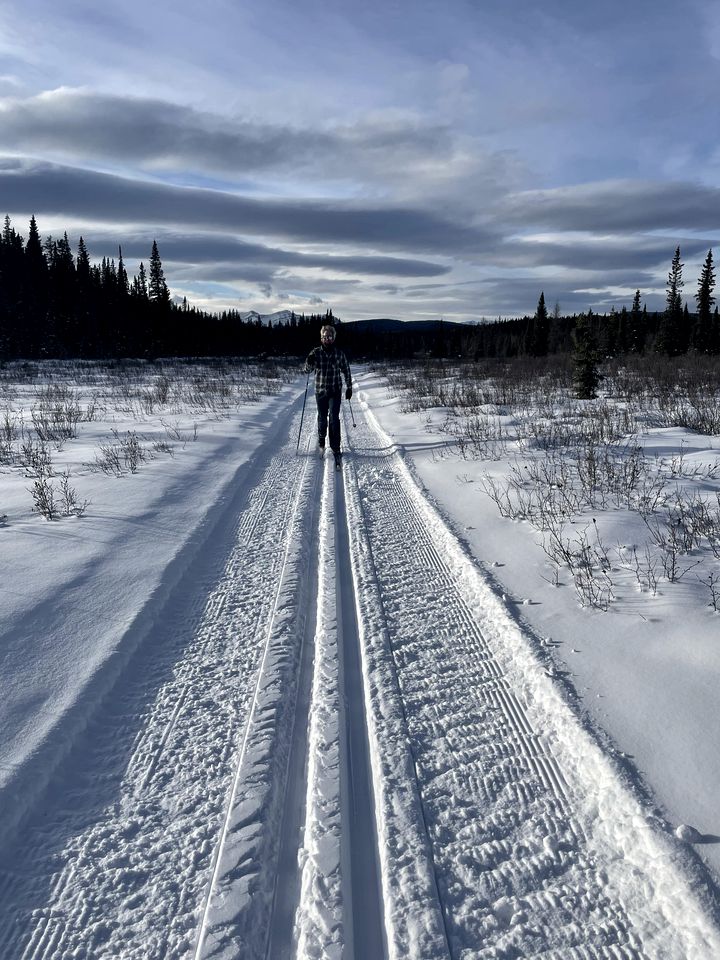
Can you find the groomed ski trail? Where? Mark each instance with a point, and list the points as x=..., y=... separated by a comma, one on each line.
x=339, y=745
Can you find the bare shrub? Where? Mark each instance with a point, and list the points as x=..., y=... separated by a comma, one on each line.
x=713, y=584
x=175, y=434
x=108, y=461
x=57, y=415
x=35, y=458
x=70, y=504
x=11, y=430
x=53, y=502
x=132, y=451
x=44, y=497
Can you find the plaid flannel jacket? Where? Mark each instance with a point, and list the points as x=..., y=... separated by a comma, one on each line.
x=330, y=366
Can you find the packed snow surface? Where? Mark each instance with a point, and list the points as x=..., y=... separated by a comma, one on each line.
x=254, y=707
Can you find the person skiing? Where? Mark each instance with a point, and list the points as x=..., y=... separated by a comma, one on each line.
x=330, y=366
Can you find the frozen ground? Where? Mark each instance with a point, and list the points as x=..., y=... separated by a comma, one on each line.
x=255, y=708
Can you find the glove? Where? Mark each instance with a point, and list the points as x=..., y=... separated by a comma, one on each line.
x=348, y=393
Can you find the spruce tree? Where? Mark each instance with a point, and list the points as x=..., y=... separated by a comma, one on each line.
x=162, y=337
x=702, y=332
x=670, y=336
x=140, y=284
x=540, y=329
x=34, y=304
x=585, y=360
x=82, y=263
x=122, y=277
x=636, y=326
x=8, y=234
x=33, y=247
x=158, y=290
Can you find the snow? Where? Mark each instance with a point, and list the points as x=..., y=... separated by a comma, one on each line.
x=254, y=707
x=647, y=671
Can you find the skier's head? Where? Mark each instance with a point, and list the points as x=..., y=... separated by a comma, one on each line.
x=327, y=336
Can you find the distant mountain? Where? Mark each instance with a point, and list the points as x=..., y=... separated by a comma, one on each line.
x=374, y=325
x=387, y=325
x=280, y=316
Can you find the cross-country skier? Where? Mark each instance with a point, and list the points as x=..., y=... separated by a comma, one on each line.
x=330, y=366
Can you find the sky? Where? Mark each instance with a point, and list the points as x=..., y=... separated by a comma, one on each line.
x=417, y=160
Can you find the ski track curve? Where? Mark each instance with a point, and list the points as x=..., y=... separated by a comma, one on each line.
x=337, y=742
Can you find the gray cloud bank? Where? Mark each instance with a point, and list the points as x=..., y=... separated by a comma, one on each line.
x=220, y=255
x=155, y=134
x=73, y=192
x=624, y=206
x=147, y=131
x=203, y=228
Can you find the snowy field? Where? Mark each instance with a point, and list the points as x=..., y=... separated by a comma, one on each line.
x=251, y=707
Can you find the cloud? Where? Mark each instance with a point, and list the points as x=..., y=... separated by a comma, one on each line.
x=609, y=255
x=225, y=253
x=76, y=123
x=76, y=193
x=616, y=206
x=519, y=296
x=387, y=150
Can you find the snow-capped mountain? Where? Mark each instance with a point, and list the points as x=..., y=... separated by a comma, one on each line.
x=280, y=316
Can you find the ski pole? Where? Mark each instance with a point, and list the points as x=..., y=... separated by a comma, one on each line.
x=302, y=415
x=351, y=413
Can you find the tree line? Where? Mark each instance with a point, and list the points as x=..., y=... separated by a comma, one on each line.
x=56, y=303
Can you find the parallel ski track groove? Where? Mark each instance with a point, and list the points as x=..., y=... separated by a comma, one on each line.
x=417, y=588
x=209, y=648
x=290, y=511
x=288, y=884
x=416, y=893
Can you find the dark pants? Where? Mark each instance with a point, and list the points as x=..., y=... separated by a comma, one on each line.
x=329, y=405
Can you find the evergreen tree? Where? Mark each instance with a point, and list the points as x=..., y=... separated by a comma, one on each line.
x=158, y=290
x=585, y=359
x=122, y=277
x=608, y=338
x=702, y=332
x=675, y=284
x=670, y=337
x=622, y=331
x=34, y=248
x=86, y=302
x=62, y=320
x=140, y=287
x=33, y=308
x=82, y=264
x=162, y=333
x=538, y=330
x=636, y=326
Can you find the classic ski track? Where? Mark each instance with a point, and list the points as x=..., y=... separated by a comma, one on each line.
x=287, y=890
x=339, y=853
x=246, y=925
x=521, y=867
x=490, y=839
x=157, y=764
x=322, y=854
